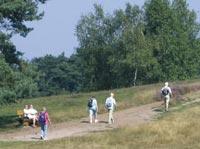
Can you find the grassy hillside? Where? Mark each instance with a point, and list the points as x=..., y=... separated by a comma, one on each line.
x=67, y=107
x=177, y=129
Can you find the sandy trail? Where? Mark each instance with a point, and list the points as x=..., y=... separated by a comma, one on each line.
x=132, y=116
x=123, y=118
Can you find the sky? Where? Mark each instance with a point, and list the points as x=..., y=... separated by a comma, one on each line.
x=55, y=33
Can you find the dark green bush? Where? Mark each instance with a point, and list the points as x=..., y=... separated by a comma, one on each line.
x=7, y=96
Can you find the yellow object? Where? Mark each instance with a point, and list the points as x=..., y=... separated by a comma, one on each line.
x=23, y=121
x=20, y=113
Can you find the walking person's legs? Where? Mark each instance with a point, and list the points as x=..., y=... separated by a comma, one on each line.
x=167, y=104
x=95, y=116
x=110, y=116
x=166, y=101
x=45, y=131
x=42, y=131
x=90, y=115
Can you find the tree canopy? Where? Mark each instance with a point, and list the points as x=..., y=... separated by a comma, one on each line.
x=138, y=45
x=157, y=42
x=17, y=79
x=13, y=17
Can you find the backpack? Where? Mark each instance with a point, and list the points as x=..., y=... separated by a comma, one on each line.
x=42, y=117
x=90, y=103
x=109, y=103
x=165, y=92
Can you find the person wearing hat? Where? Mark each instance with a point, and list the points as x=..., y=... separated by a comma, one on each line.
x=166, y=93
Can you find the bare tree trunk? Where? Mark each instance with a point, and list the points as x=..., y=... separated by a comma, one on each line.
x=135, y=77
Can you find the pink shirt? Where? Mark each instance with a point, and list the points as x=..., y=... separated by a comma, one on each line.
x=46, y=117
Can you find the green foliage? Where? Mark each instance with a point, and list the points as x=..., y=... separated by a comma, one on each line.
x=138, y=46
x=7, y=96
x=57, y=74
x=8, y=50
x=111, y=47
x=93, y=35
x=17, y=80
x=134, y=46
x=15, y=84
x=174, y=30
x=26, y=81
x=14, y=14
x=6, y=75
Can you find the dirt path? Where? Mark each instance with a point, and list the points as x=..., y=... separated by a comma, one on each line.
x=123, y=118
x=132, y=116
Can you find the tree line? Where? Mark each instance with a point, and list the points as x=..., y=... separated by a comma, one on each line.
x=138, y=45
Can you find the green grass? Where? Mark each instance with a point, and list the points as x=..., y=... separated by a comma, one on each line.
x=176, y=129
x=67, y=107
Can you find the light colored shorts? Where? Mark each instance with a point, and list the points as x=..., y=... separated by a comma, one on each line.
x=92, y=111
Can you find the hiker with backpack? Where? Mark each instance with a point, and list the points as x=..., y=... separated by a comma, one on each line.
x=93, y=109
x=166, y=93
x=110, y=105
x=44, y=121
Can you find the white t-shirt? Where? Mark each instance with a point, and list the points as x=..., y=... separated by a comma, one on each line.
x=32, y=113
x=112, y=101
x=26, y=112
x=168, y=88
x=94, y=104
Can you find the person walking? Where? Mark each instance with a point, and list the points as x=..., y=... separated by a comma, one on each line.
x=166, y=93
x=110, y=105
x=93, y=109
x=44, y=121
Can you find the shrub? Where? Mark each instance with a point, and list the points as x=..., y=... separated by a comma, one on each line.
x=7, y=96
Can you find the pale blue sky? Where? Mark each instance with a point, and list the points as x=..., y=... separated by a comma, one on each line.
x=55, y=33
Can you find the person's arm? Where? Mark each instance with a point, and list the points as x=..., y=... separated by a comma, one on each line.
x=96, y=105
x=26, y=113
x=115, y=104
x=170, y=92
x=48, y=119
x=161, y=95
x=35, y=112
x=97, y=109
x=105, y=104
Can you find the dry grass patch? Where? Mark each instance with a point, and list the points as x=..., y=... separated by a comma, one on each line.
x=177, y=130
